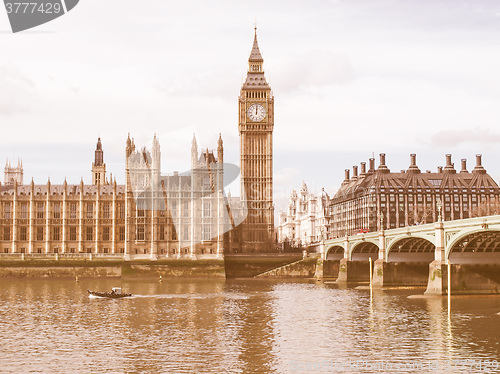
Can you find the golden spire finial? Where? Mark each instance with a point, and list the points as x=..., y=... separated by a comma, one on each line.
x=255, y=26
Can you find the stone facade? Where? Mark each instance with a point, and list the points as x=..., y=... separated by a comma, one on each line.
x=150, y=216
x=379, y=198
x=256, y=124
x=306, y=220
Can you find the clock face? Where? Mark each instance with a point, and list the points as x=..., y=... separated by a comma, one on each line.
x=256, y=112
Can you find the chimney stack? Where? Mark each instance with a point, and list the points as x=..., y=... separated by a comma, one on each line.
x=449, y=168
x=448, y=160
x=347, y=175
x=382, y=167
x=464, y=166
x=413, y=164
x=372, y=165
x=355, y=172
x=479, y=167
x=363, y=168
x=440, y=169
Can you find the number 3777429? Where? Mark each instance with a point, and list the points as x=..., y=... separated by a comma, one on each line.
x=39, y=7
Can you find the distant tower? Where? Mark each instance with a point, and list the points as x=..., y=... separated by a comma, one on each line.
x=156, y=161
x=98, y=166
x=220, y=150
x=13, y=174
x=256, y=123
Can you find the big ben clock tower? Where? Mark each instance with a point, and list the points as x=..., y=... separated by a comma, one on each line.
x=256, y=122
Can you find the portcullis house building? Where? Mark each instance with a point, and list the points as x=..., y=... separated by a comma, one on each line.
x=376, y=197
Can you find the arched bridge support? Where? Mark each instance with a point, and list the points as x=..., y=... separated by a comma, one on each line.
x=406, y=262
x=378, y=266
x=437, y=282
x=472, y=256
x=355, y=267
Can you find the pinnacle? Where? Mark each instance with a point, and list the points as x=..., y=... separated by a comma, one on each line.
x=255, y=54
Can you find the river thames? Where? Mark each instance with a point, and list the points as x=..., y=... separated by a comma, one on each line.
x=240, y=326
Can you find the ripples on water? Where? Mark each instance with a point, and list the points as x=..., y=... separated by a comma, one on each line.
x=217, y=326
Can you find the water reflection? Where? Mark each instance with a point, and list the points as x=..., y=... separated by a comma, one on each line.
x=213, y=326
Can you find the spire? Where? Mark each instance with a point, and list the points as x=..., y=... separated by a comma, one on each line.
x=194, y=152
x=99, y=154
x=255, y=54
x=194, y=144
x=255, y=76
x=220, y=150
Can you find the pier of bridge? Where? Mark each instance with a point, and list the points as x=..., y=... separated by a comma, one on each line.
x=421, y=255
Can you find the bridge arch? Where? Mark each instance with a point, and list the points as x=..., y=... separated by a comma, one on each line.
x=363, y=250
x=335, y=252
x=414, y=248
x=474, y=246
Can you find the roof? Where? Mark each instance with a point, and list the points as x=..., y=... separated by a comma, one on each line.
x=256, y=81
x=255, y=53
x=413, y=179
x=58, y=189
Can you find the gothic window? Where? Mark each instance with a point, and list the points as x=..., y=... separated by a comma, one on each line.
x=6, y=210
x=122, y=232
x=105, y=233
x=6, y=233
x=207, y=208
x=173, y=208
x=72, y=233
x=140, y=232
x=57, y=210
x=40, y=211
x=161, y=232
x=90, y=233
x=90, y=211
x=141, y=213
x=73, y=214
x=206, y=233
x=121, y=211
x=24, y=210
x=39, y=233
x=105, y=211
x=55, y=233
x=23, y=233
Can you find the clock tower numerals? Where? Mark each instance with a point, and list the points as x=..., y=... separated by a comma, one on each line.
x=256, y=112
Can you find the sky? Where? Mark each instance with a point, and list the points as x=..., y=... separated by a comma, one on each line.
x=351, y=79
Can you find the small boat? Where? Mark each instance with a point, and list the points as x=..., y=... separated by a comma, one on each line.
x=116, y=293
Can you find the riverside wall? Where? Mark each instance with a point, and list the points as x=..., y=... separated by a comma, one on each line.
x=242, y=266
x=111, y=269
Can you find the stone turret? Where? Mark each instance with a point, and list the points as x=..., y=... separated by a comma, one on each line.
x=98, y=166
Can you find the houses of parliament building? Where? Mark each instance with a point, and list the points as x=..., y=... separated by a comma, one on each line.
x=154, y=216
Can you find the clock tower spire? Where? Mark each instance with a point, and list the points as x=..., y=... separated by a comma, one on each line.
x=256, y=124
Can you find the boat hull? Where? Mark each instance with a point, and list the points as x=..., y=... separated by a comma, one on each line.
x=109, y=295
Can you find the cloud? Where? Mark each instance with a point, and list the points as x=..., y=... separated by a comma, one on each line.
x=17, y=91
x=316, y=68
x=456, y=137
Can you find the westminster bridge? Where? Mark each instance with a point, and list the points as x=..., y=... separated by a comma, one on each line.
x=422, y=255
